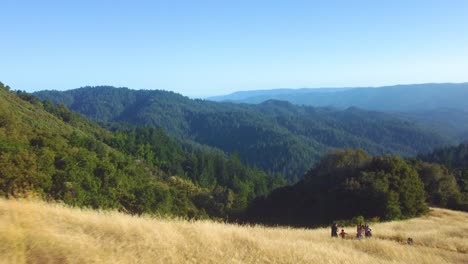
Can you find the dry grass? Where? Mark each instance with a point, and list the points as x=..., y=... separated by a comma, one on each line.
x=37, y=232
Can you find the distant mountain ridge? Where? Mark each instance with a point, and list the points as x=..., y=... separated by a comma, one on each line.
x=242, y=95
x=276, y=135
x=397, y=98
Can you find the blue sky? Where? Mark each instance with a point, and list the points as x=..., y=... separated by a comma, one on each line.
x=201, y=48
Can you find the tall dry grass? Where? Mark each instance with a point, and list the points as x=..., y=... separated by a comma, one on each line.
x=37, y=232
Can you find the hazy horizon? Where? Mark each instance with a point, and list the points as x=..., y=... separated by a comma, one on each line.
x=210, y=48
x=206, y=96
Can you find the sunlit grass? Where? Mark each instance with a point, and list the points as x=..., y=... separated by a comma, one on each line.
x=37, y=232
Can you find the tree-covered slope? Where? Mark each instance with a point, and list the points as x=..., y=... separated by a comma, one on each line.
x=438, y=107
x=455, y=157
x=350, y=183
x=456, y=160
x=54, y=153
x=275, y=136
x=450, y=122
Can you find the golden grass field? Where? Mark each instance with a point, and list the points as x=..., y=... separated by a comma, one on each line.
x=38, y=232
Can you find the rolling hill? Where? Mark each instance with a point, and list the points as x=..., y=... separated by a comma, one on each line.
x=54, y=154
x=37, y=232
x=275, y=135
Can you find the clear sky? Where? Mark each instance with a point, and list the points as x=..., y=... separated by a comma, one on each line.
x=200, y=48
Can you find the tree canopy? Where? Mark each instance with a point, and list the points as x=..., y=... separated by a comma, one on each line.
x=345, y=184
x=275, y=136
x=48, y=150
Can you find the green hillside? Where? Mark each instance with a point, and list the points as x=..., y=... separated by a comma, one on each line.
x=454, y=158
x=48, y=151
x=51, y=152
x=276, y=136
x=351, y=184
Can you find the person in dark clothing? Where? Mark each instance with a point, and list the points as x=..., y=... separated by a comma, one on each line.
x=334, y=230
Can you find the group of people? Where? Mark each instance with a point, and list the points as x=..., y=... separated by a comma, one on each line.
x=361, y=231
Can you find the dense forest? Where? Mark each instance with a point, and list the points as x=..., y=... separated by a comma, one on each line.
x=49, y=151
x=450, y=122
x=350, y=183
x=454, y=161
x=437, y=107
x=46, y=150
x=452, y=157
x=276, y=136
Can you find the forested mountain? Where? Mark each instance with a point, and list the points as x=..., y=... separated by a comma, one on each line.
x=449, y=122
x=51, y=152
x=399, y=98
x=453, y=157
x=56, y=154
x=246, y=96
x=276, y=136
x=440, y=108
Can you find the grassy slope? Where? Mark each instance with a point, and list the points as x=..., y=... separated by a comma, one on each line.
x=36, y=232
